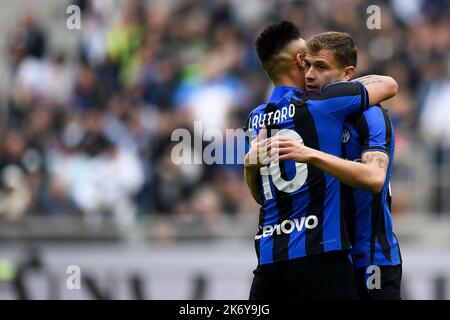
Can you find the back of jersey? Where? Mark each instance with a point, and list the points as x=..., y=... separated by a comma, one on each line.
x=300, y=213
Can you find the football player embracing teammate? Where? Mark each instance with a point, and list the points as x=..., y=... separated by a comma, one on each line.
x=303, y=242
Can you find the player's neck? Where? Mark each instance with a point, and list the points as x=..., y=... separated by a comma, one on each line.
x=296, y=80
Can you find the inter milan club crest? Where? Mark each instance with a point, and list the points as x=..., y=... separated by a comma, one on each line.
x=345, y=135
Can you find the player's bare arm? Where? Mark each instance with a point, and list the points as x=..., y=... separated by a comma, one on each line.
x=380, y=88
x=370, y=174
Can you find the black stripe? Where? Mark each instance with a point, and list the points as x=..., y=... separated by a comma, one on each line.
x=375, y=148
x=284, y=204
x=305, y=126
x=348, y=211
x=363, y=131
x=389, y=140
x=387, y=122
x=379, y=229
x=340, y=89
x=389, y=200
x=398, y=248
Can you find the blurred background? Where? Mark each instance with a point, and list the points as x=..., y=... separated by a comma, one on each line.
x=86, y=117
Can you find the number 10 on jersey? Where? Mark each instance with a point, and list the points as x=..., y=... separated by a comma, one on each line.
x=273, y=169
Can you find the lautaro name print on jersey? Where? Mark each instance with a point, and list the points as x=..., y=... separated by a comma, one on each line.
x=300, y=214
x=272, y=118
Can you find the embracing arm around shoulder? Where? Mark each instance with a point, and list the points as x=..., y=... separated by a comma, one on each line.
x=379, y=88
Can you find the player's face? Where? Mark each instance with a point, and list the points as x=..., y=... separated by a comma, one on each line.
x=321, y=68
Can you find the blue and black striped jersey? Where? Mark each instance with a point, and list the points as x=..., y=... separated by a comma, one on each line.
x=300, y=213
x=369, y=216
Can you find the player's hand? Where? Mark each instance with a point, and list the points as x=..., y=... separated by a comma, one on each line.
x=259, y=154
x=288, y=149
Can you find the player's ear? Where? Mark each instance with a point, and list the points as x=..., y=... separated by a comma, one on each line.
x=300, y=58
x=349, y=72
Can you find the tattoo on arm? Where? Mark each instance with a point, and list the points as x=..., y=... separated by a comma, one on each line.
x=369, y=82
x=380, y=158
x=364, y=78
x=370, y=79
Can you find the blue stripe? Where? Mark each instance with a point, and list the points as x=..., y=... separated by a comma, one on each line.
x=265, y=247
x=363, y=220
x=297, y=240
x=377, y=127
x=332, y=212
x=339, y=107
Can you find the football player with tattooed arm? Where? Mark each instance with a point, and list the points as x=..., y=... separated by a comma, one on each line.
x=368, y=141
x=302, y=244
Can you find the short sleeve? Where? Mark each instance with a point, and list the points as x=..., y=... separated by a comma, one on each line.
x=343, y=99
x=375, y=129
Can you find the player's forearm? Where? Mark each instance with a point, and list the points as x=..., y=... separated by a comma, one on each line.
x=351, y=173
x=380, y=88
x=251, y=178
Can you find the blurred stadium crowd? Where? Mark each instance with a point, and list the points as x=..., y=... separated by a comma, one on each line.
x=89, y=133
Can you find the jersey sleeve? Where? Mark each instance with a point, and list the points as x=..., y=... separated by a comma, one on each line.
x=375, y=129
x=344, y=99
